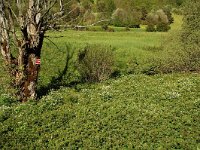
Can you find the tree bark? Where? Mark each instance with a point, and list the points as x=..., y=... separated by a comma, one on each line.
x=4, y=35
x=27, y=65
x=29, y=58
x=28, y=84
x=26, y=78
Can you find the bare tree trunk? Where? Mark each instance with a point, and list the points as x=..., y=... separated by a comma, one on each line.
x=29, y=57
x=4, y=35
x=27, y=65
x=31, y=64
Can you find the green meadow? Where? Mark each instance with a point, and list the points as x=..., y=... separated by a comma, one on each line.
x=130, y=111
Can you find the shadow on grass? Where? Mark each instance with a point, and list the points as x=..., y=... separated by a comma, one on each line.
x=57, y=82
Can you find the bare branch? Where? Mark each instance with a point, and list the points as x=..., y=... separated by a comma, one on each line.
x=52, y=42
x=4, y=39
x=48, y=9
x=61, y=6
x=20, y=19
x=12, y=26
x=12, y=12
x=104, y=20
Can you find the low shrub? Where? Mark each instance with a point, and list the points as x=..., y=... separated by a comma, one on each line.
x=95, y=63
x=104, y=27
x=123, y=18
x=150, y=28
x=7, y=100
x=181, y=50
x=150, y=69
x=111, y=29
x=175, y=58
x=127, y=28
x=162, y=27
x=177, y=11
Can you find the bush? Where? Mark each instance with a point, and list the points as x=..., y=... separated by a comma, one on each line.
x=162, y=27
x=127, y=29
x=158, y=21
x=151, y=22
x=95, y=63
x=88, y=18
x=123, y=18
x=150, y=69
x=104, y=27
x=174, y=57
x=134, y=26
x=119, y=17
x=167, y=10
x=182, y=52
x=150, y=28
x=177, y=11
x=111, y=29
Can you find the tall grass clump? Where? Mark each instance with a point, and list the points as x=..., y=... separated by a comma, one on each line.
x=95, y=63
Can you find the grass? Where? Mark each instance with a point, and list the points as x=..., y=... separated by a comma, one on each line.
x=130, y=47
x=127, y=43
x=178, y=22
x=133, y=111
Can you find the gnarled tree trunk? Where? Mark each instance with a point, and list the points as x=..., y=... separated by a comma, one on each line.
x=29, y=56
x=29, y=64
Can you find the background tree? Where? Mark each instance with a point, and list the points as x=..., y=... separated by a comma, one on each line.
x=119, y=17
x=104, y=8
x=151, y=21
x=162, y=21
x=167, y=10
x=157, y=21
x=127, y=14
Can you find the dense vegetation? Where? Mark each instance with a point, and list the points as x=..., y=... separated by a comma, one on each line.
x=139, y=107
x=135, y=111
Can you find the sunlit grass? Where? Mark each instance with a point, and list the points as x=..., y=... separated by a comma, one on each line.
x=177, y=23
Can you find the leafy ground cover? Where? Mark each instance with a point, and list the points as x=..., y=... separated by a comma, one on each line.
x=135, y=111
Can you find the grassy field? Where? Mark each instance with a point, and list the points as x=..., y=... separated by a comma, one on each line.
x=132, y=111
x=134, y=46
x=130, y=47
